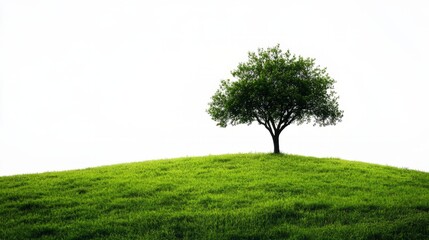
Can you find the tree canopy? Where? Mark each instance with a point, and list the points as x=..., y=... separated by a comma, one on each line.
x=275, y=89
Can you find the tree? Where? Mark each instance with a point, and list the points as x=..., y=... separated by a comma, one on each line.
x=276, y=89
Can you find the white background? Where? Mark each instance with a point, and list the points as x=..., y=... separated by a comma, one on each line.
x=86, y=83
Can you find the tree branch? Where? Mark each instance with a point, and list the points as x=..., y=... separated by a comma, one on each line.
x=259, y=120
x=266, y=125
x=287, y=123
x=288, y=119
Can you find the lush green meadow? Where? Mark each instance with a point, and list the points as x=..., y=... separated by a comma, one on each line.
x=241, y=196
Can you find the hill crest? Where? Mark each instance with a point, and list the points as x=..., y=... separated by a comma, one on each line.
x=236, y=196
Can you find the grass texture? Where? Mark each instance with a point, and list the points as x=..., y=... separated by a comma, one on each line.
x=240, y=196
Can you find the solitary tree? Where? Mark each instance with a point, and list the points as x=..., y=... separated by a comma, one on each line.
x=276, y=89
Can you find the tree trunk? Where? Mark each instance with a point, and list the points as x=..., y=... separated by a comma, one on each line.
x=276, y=143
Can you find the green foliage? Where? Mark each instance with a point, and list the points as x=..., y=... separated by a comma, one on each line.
x=276, y=89
x=246, y=196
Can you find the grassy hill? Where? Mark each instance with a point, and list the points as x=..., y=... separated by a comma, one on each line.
x=242, y=196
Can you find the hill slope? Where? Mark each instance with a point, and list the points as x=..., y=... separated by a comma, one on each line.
x=243, y=196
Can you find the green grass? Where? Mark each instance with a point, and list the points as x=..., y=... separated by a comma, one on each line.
x=241, y=196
